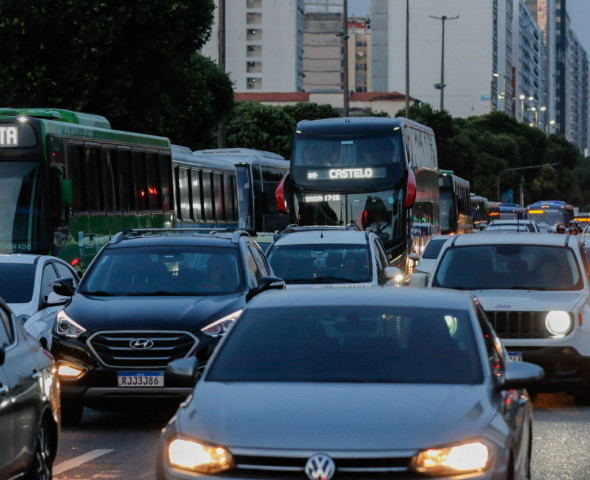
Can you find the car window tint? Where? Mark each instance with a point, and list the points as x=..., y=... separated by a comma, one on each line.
x=65, y=272
x=260, y=260
x=49, y=276
x=350, y=344
x=493, y=344
x=433, y=248
x=6, y=331
x=16, y=282
x=253, y=268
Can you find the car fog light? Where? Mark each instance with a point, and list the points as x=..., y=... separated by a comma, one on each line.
x=198, y=457
x=471, y=457
x=67, y=370
x=558, y=322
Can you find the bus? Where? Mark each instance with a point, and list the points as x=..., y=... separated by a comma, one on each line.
x=68, y=182
x=493, y=210
x=374, y=172
x=455, y=204
x=258, y=174
x=479, y=211
x=550, y=212
x=511, y=211
x=205, y=190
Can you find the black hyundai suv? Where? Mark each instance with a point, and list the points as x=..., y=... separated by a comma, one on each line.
x=150, y=297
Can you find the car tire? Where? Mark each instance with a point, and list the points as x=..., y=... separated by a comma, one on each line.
x=42, y=464
x=71, y=416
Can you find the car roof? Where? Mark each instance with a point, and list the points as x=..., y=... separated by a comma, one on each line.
x=507, y=221
x=511, y=237
x=141, y=238
x=363, y=296
x=315, y=236
x=26, y=258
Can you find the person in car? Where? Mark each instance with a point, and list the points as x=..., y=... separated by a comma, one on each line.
x=221, y=273
x=380, y=224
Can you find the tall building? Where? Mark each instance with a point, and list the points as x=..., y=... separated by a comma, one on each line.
x=359, y=54
x=264, y=44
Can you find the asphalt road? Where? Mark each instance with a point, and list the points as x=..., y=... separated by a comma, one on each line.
x=122, y=445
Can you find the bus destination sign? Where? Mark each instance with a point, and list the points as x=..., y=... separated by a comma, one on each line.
x=346, y=174
x=319, y=197
x=8, y=136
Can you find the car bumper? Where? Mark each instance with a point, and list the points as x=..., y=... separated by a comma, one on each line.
x=565, y=368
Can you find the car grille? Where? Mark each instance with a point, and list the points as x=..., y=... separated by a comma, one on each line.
x=260, y=467
x=113, y=348
x=519, y=324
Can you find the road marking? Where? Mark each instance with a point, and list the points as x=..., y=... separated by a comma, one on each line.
x=77, y=461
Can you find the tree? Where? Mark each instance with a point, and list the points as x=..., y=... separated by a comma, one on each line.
x=124, y=59
x=261, y=127
x=310, y=111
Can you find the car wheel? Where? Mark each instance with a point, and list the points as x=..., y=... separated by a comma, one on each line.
x=41, y=467
x=71, y=416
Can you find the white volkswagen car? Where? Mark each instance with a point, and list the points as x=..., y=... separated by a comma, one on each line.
x=535, y=290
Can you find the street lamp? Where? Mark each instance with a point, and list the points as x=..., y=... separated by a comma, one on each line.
x=521, y=98
x=517, y=168
x=502, y=94
x=441, y=85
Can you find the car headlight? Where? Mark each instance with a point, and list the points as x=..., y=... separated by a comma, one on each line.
x=198, y=457
x=66, y=327
x=221, y=326
x=558, y=322
x=470, y=457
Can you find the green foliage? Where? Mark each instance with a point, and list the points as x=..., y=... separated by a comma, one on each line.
x=310, y=111
x=132, y=61
x=261, y=127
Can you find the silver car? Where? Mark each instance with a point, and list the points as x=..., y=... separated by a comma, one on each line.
x=354, y=383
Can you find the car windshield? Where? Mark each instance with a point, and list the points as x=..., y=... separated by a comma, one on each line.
x=165, y=270
x=321, y=263
x=509, y=266
x=433, y=248
x=16, y=282
x=350, y=343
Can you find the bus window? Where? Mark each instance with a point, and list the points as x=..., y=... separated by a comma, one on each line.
x=244, y=199
x=184, y=206
x=126, y=180
x=207, y=196
x=196, y=194
x=155, y=202
x=139, y=180
x=228, y=197
x=111, y=202
x=94, y=200
x=166, y=181
x=76, y=176
x=218, y=197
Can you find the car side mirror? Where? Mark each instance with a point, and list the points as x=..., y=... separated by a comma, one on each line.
x=419, y=279
x=182, y=369
x=64, y=287
x=54, y=299
x=520, y=375
x=267, y=283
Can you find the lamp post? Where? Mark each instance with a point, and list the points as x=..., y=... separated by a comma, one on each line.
x=503, y=94
x=517, y=168
x=441, y=86
x=521, y=97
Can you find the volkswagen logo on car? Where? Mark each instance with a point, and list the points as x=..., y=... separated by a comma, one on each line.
x=320, y=467
x=141, y=344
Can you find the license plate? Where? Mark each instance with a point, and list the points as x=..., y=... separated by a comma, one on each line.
x=140, y=379
x=515, y=356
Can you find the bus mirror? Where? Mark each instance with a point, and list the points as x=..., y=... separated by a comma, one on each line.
x=280, y=195
x=411, y=192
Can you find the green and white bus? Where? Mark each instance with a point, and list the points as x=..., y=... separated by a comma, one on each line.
x=68, y=182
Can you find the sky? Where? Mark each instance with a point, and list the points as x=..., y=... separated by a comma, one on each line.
x=579, y=12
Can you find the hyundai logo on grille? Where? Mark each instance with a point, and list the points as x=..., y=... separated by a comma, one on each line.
x=320, y=467
x=141, y=344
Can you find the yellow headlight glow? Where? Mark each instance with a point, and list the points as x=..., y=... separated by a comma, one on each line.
x=66, y=370
x=195, y=456
x=470, y=457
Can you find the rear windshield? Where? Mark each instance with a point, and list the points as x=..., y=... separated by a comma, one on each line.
x=350, y=344
x=526, y=267
x=17, y=282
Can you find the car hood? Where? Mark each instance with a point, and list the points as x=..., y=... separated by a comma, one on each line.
x=334, y=416
x=174, y=312
x=529, y=300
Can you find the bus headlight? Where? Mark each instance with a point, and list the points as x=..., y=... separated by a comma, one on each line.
x=470, y=457
x=198, y=457
x=558, y=322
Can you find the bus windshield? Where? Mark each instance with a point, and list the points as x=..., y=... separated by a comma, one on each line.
x=548, y=216
x=21, y=219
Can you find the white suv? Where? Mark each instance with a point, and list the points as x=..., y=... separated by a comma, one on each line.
x=330, y=255
x=535, y=290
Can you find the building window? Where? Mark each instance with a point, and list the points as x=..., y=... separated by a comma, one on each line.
x=254, y=83
x=254, y=67
x=253, y=34
x=254, y=50
x=254, y=4
x=254, y=18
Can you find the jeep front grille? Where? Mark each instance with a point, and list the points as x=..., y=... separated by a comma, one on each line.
x=520, y=324
x=113, y=348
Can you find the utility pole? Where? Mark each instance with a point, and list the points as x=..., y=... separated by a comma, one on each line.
x=221, y=127
x=441, y=86
x=345, y=58
x=407, y=58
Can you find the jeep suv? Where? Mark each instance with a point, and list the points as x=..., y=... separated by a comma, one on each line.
x=330, y=255
x=150, y=297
